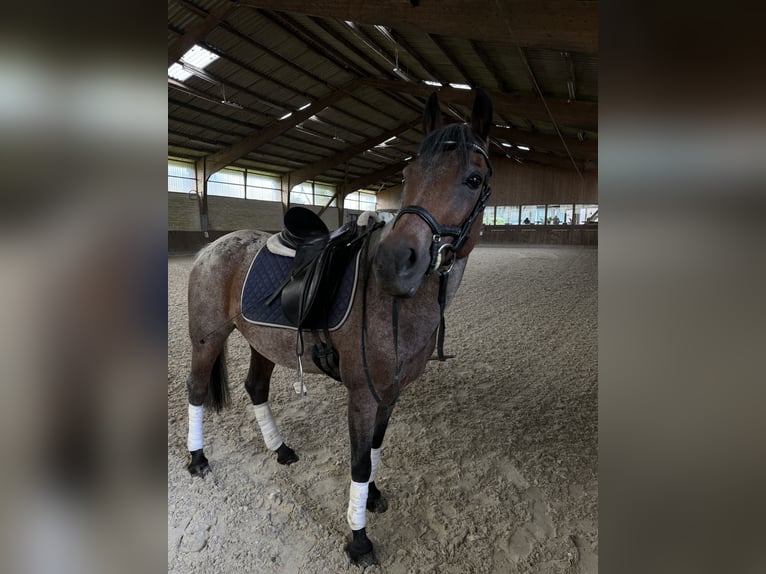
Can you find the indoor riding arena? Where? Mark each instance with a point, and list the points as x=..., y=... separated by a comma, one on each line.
x=490, y=459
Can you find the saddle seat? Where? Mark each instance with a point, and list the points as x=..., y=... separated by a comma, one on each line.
x=320, y=260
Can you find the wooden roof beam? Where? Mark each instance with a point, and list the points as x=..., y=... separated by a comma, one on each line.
x=579, y=115
x=417, y=57
x=300, y=175
x=444, y=49
x=372, y=177
x=580, y=149
x=534, y=24
x=253, y=141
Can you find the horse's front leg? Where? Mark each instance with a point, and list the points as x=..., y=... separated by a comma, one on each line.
x=375, y=500
x=362, y=412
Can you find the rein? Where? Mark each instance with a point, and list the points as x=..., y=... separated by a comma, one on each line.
x=459, y=236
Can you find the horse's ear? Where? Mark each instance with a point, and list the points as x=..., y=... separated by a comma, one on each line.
x=481, y=116
x=432, y=116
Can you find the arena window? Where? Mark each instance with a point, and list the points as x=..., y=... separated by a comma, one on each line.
x=360, y=201
x=181, y=176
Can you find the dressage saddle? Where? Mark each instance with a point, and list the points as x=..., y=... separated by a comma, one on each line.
x=320, y=260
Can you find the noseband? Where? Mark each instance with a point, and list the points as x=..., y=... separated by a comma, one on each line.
x=459, y=234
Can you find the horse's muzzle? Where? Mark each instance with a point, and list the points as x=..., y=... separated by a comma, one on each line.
x=399, y=266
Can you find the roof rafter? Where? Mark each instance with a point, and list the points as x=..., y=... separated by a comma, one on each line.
x=309, y=171
x=535, y=24
x=372, y=177
x=251, y=142
x=582, y=115
x=444, y=49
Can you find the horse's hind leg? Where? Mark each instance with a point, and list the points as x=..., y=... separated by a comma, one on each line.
x=257, y=386
x=207, y=384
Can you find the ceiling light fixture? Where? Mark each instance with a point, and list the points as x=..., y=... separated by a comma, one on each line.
x=504, y=144
x=525, y=148
x=287, y=115
x=304, y=106
x=432, y=83
x=396, y=69
x=400, y=73
x=228, y=102
x=460, y=86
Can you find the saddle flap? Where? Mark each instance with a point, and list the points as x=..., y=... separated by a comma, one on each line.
x=316, y=274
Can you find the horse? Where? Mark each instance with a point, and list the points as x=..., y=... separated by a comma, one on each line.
x=410, y=270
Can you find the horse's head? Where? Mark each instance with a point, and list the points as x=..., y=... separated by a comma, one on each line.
x=445, y=191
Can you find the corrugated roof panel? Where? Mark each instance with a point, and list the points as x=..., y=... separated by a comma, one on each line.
x=551, y=71
x=273, y=62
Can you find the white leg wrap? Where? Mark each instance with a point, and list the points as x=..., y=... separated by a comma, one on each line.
x=357, y=505
x=195, y=428
x=375, y=461
x=268, y=425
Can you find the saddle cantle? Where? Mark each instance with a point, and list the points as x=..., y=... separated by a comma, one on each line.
x=320, y=260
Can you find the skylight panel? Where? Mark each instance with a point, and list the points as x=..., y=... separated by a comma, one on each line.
x=199, y=56
x=177, y=72
x=196, y=56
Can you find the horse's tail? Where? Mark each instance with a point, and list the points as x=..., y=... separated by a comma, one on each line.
x=218, y=391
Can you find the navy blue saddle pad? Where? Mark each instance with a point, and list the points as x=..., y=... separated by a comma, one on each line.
x=268, y=272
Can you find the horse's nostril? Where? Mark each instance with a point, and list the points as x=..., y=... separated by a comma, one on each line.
x=413, y=257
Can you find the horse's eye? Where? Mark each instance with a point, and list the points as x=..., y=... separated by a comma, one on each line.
x=474, y=181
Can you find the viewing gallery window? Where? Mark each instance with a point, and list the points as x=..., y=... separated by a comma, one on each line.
x=533, y=214
x=551, y=214
x=585, y=213
x=501, y=215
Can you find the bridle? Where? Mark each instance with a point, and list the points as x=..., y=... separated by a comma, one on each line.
x=459, y=234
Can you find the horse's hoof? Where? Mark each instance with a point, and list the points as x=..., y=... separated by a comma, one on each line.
x=360, y=550
x=198, y=465
x=377, y=505
x=363, y=560
x=286, y=455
